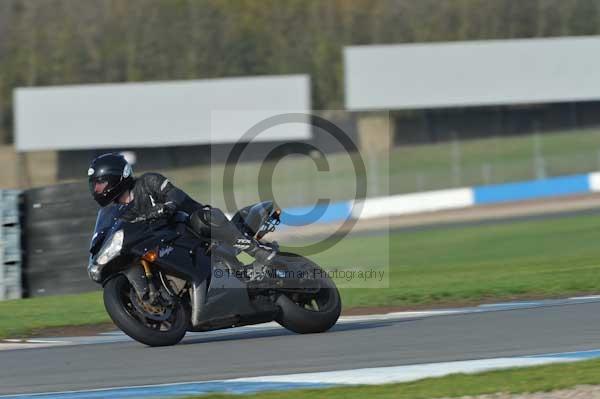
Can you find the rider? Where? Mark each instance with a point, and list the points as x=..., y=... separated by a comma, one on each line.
x=152, y=196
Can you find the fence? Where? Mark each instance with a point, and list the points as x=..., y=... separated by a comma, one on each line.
x=297, y=182
x=10, y=245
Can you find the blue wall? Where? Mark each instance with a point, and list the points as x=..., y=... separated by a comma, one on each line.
x=491, y=194
x=301, y=216
x=556, y=186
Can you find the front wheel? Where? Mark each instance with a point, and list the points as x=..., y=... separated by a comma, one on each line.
x=152, y=326
x=311, y=312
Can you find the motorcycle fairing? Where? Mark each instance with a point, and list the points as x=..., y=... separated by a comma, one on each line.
x=227, y=303
x=181, y=257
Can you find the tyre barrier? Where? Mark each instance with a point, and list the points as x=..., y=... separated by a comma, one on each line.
x=57, y=224
x=10, y=245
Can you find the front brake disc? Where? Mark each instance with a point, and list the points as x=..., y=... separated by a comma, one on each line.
x=153, y=312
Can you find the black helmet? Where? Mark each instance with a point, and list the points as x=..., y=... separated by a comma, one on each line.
x=109, y=175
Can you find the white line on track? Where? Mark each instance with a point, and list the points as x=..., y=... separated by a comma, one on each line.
x=117, y=336
x=585, y=297
x=364, y=376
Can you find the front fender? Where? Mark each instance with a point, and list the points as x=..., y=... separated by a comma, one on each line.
x=134, y=274
x=137, y=278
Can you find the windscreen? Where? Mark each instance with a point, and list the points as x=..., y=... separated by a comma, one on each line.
x=107, y=217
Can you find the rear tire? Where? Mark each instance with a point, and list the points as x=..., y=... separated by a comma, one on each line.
x=297, y=318
x=116, y=292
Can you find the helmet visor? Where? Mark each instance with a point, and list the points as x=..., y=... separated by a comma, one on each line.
x=99, y=185
x=102, y=187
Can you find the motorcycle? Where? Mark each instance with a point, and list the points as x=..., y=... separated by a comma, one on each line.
x=161, y=278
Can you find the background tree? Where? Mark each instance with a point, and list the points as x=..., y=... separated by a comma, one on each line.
x=54, y=42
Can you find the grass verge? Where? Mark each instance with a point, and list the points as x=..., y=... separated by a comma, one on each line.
x=518, y=380
x=555, y=257
x=23, y=317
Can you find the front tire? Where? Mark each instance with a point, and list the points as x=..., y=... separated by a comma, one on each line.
x=117, y=292
x=310, y=315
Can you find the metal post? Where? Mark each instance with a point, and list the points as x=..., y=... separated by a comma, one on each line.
x=538, y=158
x=456, y=167
x=486, y=173
x=312, y=176
x=373, y=175
x=420, y=181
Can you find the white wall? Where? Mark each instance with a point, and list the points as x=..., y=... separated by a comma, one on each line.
x=472, y=73
x=403, y=204
x=157, y=113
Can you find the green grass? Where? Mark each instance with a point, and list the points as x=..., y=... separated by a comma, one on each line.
x=555, y=257
x=545, y=258
x=408, y=169
x=519, y=380
x=24, y=316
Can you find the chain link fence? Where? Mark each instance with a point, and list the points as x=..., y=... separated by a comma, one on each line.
x=297, y=182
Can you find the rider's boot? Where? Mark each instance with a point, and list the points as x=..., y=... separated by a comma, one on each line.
x=262, y=254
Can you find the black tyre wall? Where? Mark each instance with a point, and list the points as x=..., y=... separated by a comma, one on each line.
x=57, y=224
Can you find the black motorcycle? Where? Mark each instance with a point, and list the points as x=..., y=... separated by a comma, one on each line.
x=162, y=279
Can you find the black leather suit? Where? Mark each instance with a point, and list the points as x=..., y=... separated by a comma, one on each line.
x=154, y=194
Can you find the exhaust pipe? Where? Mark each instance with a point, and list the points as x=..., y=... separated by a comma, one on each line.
x=198, y=300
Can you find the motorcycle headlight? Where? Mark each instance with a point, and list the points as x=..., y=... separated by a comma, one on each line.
x=111, y=248
x=94, y=271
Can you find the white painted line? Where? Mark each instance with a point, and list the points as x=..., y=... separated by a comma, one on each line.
x=511, y=305
x=400, y=315
x=118, y=336
x=13, y=346
x=44, y=341
x=111, y=333
x=386, y=375
x=364, y=376
x=575, y=354
x=576, y=298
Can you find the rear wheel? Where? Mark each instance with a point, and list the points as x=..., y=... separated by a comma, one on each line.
x=150, y=325
x=313, y=312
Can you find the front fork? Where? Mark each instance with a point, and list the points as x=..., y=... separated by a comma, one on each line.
x=141, y=279
x=152, y=292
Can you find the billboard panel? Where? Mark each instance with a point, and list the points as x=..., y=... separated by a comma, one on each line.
x=155, y=114
x=490, y=72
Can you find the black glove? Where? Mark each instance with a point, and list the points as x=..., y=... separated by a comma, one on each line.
x=169, y=209
x=161, y=211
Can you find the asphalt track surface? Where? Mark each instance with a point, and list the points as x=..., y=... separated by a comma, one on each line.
x=350, y=345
